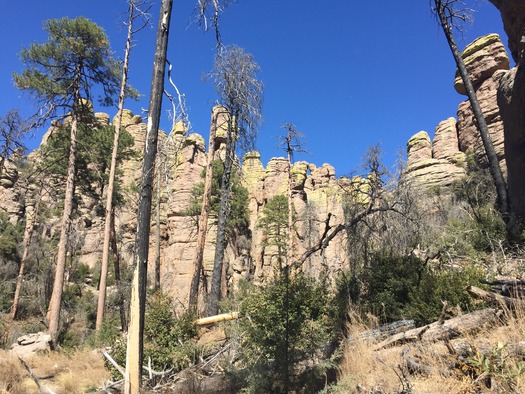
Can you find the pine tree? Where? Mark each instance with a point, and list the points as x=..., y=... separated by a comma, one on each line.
x=60, y=76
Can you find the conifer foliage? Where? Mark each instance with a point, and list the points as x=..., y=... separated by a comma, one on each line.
x=60, y=76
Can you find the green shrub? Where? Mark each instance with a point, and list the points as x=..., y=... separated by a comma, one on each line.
x=441, y=285
x=168, y=339
x=401, y=287
x=288, y=321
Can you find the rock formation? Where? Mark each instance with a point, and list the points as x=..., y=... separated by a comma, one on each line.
x=486, y=61
x=316, y=191
x=440, y=162
x=511, y=101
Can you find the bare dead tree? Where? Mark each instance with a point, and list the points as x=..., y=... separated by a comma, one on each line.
x=12, y=131
x=450, y=15
x=240, y=92
x=219, y=117
x=135, y=347
x=366, y=197
x=137, y=10
x=291, y=143
x=208, y=15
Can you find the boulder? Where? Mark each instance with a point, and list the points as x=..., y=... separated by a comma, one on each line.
x=28, y=345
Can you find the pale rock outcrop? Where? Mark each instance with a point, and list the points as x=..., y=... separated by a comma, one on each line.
x=419, y=147
x=483, y=57
x=438, y=163
x=30, y=344
x=445, y=145
x=10, y=193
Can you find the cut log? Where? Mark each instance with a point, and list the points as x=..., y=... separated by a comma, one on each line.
x=217, y=318
x=502, y=301
x=452, y=328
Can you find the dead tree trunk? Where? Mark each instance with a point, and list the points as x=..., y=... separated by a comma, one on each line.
x=28, y=236
x=135, y=347
x=112, y=172
x=217, y=113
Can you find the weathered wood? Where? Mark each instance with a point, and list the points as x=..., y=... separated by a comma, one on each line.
x=384, y=331
x=452, y=328
x=114, y=363
x=217, y=318
x=512, y=287
x=415, y=368
x=35, y=378
x=500, y=300
x=466, y=349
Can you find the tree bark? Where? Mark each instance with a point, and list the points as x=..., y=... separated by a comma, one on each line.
x=111, y=182
x=216, y=280
x=135, y=347
x=28, y=236
x=118, y=282
x=205, y=211
x=495, y=170
x=157, y=234
x=53, y=313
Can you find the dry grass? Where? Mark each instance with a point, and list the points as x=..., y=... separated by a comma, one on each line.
x=363, y=370
x=78, y=372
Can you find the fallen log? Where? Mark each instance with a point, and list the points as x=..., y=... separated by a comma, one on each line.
x=440, y=330
x=508, y=287
x=500, y=300
x=217, y=318
x=384, y=331
x=465, y=349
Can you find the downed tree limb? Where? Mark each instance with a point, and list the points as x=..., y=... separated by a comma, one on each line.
x=465, y=349
x=384, y=331
x=217, y=318
x=35, y=378
x=500, y=300
x=452, y=328
x=114, y=363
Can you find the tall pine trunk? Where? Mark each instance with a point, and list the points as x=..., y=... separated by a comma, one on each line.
x=111, y=182
x=53, y=314
x=205, y=211
x=135, y=349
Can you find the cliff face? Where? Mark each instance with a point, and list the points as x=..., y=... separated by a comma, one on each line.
x=511, y=101
x=316, y=190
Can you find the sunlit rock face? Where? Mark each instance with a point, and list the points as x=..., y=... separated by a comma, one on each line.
x=487, y=61
x=438, y=163
x=483, y=57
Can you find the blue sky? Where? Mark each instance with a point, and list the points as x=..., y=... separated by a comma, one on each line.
x=348, y=74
